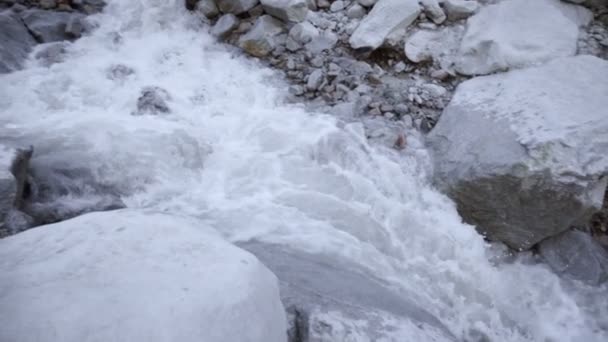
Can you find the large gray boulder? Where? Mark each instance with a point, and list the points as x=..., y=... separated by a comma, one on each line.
x=384, y=18
x=515, y=34
x=332, y=300
x=576, y=255
x=53, y=26
x=15, y=42
x=286, y=10
x=523, y=153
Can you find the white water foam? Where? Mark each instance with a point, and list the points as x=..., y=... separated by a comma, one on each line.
x=233, y=155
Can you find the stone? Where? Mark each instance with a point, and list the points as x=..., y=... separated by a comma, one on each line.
x=434, y=90
x=224, y=25
x=47, y=4
x=521, y=153
x=367, y=3
x=385, y=17
x=15, y=42
x=153, y=100
x=513, y=34
x=208, y=8
x=337, y=6
x=88, y=6
x=324, y=41
x=286, y=10
x=303, y=32
x=576, y=255
x=236, y=7
x=401, y=109
x=261, y=39
x=52, y=26
x=315, y=79
x=355, y=11
x=119, y=72
x=418, y=47
x=323, y=3
x=99, y=271
x=52, y=53
x=14, y=187
x=433, y=11
x=328, y=299
x=460, y=9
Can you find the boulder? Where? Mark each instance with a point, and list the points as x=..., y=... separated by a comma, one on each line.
x=153, y=100
x=14, y=188
x=15, y=42
x=523, y=153
x=328, y=299
x=460, y=9
x=515, y=34
x=135, y=276
x=236, y=7
x=385, y=17
x=286, y=10
x=224, y=25
x=576, y=255
x=261, y=39
x=53, y=26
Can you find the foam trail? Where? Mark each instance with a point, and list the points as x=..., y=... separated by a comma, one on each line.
x=232, y=155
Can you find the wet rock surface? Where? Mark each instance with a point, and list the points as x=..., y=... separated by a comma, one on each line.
x=330, y=300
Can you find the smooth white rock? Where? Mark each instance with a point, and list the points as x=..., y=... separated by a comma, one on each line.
x=515, y=34
x=385, y=17
x=286, y=10
x=134, y=276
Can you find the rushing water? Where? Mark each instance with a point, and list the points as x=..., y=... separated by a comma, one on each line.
x=234, y=155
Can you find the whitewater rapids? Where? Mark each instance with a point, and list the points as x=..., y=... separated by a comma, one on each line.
x=235, y=156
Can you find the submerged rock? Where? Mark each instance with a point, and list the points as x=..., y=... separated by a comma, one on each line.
x=386, y=16
x=14, y=188
x=15, y=42
x=515, y=34
x=330, y=300
x=153, y=100
x=523, y=153
x=576, y=255
x=136, y=276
